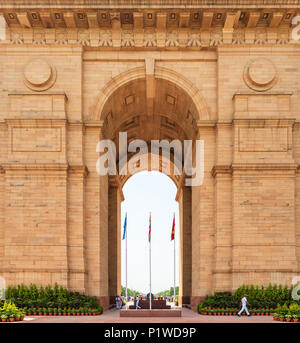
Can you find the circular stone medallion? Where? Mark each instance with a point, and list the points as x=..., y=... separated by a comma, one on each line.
x=39, y=75
x=260, y=74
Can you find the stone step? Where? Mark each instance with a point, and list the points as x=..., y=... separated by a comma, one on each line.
x=165, y=307
x=152, y=313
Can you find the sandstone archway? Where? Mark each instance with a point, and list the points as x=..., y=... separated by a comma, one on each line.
x=140, y=73
x=164, y=106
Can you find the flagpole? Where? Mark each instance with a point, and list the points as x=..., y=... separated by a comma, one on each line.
x=126, y=261
x=150, y=265
x=174, y=265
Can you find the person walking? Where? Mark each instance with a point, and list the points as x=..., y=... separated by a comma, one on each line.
x=137, y=302
x=117, y=302
x=121, y=302
x=244, y=306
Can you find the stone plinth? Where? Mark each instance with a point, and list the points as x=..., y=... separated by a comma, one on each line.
x=152, y=313
x=156, y=304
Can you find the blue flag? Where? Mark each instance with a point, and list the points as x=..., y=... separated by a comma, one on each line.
x=125, y=227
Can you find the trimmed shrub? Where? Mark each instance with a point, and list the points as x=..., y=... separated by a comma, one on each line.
x=50, y=297
x=258, y=297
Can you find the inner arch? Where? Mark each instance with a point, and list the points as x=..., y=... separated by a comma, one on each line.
x=174, y=116
x=174, y=112
x=145, y=192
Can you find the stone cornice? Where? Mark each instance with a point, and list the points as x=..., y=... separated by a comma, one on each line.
x=206, y=123
x=264, y=270
x=252, y=93
x=230, y=270
x=41, y=122
x=167, y=4
x=35, y=167
x=222, y=124
x=221, y=170
x=229, y=169
x=44, y=93
x=145, y=39
x=41, y=270
x=78, y=170
x=149, y=28
x=72, y=169
x=94, y=123
x=264, y=122
x=264, y=167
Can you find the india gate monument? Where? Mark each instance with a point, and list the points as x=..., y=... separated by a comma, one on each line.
x=73, y=73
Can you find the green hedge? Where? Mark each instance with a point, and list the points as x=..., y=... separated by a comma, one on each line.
x=258, y=297
x=284, y=310
x=9, y=310
x=51, y=297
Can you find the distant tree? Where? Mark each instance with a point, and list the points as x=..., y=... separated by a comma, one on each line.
x=130, y=292
x=168, y=292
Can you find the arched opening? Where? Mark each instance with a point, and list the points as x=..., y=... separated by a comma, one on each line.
x=180, y=199
x=145, y=192
x=149, y=109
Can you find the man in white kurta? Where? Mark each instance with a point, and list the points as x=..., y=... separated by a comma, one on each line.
x=137, y=302
x=244, y=306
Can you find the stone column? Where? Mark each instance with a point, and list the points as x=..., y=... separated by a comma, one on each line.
x=222, y=280
x=76, y=229
x=3, y=147
x=195, y=263
x=185, y=207
x=103, y=232
x=203, y=223
x=2, y=194
x=96, y=200
x=223, y=230
x=114, y=243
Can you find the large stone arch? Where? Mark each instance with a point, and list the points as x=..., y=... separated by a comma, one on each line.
x=159, y=73
x=113, y=93
x=185, y=202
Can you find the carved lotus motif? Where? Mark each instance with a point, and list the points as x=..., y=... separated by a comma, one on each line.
x=172, y=39
x=150, y=39
x=60, y=38
x=84, y=37
x=238, y=37
x=127, y=38
x=16, y=38
x=194, y=40
x=39, y=38
x=105, y=38
x=216, y=38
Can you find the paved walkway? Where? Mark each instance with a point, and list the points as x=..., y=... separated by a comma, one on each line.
x=113, y=316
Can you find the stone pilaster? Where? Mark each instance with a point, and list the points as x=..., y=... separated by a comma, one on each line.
x=114, y=243
x=223, y=229
x=96, y=232
x=185, y=268
x=76, y=234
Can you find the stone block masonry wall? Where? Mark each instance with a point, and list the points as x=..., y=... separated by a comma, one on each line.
x=35, y=237
x=263, y=228
x=60, y=221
